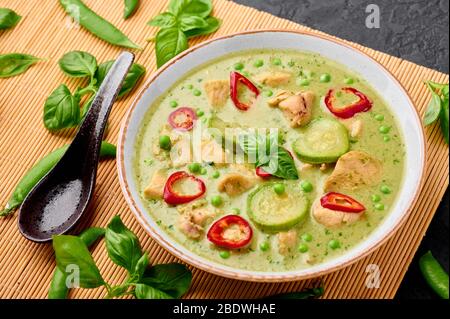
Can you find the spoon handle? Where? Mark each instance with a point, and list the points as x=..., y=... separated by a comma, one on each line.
x=93, y=126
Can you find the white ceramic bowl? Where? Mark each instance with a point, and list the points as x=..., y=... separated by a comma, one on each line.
x=395, y=95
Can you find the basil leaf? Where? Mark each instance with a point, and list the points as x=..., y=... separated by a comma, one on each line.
x=147, y=292
x=213, y=25
x=444, y=117
x=173, y=279
x=281, y=164
x=8, y=18
x=122, y=245
x=169, y=43
x=201, y=8
x=192, y=22
x=141, y=265
x=433, y=109
x=163, y=20
x=61, y=109
x=134, y=75
x=71, y=251
x=15, y=63
x=78, y=64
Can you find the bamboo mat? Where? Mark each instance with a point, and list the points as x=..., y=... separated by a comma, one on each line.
x=26, y=267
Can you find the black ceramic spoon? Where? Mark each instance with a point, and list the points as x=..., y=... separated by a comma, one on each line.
x=57, y=202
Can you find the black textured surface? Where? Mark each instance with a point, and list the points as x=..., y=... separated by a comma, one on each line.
x=416, y=30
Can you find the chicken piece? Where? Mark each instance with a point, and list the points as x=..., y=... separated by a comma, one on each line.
x=236, y=183
x=297, y=108
x=212, y=152
x=306, y=167
x=180, y=153
x=193, y=218
x=356, y=128
x=323, y=167
x=280, y=96
x=155, y=188
x=353, y=170
x=273, y=78
x=287, y=241
x=333, y=218
x=217, y=92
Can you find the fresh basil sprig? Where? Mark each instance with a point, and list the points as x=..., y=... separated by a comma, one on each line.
x=156, y=282
x=59, y=112
x=13, y=64
x=8, y=18
x=184, y=19
x=269, y=155
x=61, y=109
x=78, y=64
x=438, y=107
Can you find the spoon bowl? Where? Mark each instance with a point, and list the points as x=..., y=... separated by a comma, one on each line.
x=61, y=197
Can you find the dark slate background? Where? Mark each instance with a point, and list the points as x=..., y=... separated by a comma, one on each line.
x=416, y=30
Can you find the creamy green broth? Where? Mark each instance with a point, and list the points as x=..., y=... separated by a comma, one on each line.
x=380, y=138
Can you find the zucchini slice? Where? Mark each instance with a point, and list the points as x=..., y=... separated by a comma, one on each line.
x=322, y=141
x=273, y=212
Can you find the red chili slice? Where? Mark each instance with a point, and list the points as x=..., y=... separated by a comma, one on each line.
x=217, y=232
x=362, y=105
x=236, y=79
x=183, y=119
x=262, y=173
x=342, y=203
x=171, y=196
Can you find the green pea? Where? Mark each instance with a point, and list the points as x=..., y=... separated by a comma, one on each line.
x=276, y=61
x=268, y=93
x=215, y=174
x=385, y=189
x=307, y=237
x=194, y=167
x=216, y=201
x=164, y=142
x=173, y=104
x=200, y=113
x=236, y=211
x=349, y=81
x=197, y=92
x=224, y=254
x=258, y=63
x=306, y=186
x=334, y=244
x=303, y=248
x=238, y=66
x=279, y=188
x=379, y=206
x=303, y=82
x=386, y=138
x=379, y=117
x=264, y=246
x=203, y=171
x=375, y=198
x=384, y=129
x=190, y=86
x=324, y=78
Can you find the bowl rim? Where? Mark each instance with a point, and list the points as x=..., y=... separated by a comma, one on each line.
x=238, y=273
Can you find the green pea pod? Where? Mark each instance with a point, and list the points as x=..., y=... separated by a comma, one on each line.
x=434, y=274
x=130, y=8
x=58, y=288
x=96, y=24
x=39, y=170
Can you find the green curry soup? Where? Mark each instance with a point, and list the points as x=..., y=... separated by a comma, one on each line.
x=346, y=145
